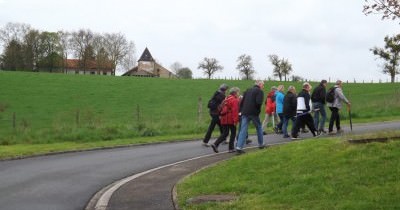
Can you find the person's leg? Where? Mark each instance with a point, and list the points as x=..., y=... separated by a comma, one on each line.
x=279, y=126
x=214, y=121
x=296, y=127
x=232, y=137
x=242, y=132
x=337, y=119
x=223, y=136
x=260, y=137
x=284, y=126
x=265, y=122
x=323, y=118
x=308, y=120
x=332, y=119
x=316, y=114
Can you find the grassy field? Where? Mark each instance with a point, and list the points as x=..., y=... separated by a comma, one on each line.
x=311, y=174
x=85, y=109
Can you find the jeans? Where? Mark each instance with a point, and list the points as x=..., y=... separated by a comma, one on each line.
x=214, y=121
x=244, y=129
x=286, y=123
x=335, y=117
x=321, y=107
x=280, y=124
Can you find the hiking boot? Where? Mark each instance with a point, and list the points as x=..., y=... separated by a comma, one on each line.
x=322, y=131
x=205, y=144
x=214, y=148
x=231, y=151
x=264, y=133
x=240, y=151
x=295, y=138
x=248, y=141
x=262, y=146
x=304, y=130
x=286, y=136
x=331, y=133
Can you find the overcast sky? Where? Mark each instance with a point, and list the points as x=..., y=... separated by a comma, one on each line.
x=321, y=38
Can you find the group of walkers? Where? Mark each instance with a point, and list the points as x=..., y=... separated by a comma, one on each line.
x=228, y=111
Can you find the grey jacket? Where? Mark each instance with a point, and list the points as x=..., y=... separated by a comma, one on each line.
x=339, y=98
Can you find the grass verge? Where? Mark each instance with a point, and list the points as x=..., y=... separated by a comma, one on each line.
x=311, y=174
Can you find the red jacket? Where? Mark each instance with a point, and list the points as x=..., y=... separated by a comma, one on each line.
x=230, y=113
x=269, y=104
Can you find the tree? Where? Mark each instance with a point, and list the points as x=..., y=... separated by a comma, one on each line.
x=276, y=62
x=13, y=32
x=391, y=55
x=210, y=66
x=390, y=9
x=286, y=68
x=12, y=58
x=175, y=67
x=245, y=66
x=117, y=47
x=184, y=73
x=50, y=56
x=64, y=43
x=80, y=42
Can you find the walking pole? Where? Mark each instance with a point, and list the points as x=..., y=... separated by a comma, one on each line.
x=351, y=123
x=273, y=120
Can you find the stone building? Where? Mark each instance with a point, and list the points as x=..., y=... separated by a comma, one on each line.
x=148, y=67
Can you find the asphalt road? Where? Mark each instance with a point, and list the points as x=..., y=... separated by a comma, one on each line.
x=68, y=181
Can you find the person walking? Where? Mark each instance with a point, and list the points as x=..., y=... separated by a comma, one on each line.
x=229, y=117
x=250, y=108
x=318, y=102
x=213, y=104
x=269, y=110
x=289, y=110
x=335, y=107
x=279, y=107
x=303, y=112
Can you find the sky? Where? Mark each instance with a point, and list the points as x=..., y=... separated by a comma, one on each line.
x=322, y=39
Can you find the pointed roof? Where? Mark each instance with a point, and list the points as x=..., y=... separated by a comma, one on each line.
x=146, y=56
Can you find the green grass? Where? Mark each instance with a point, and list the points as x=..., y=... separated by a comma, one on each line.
x=59, y=108
x=312, y=174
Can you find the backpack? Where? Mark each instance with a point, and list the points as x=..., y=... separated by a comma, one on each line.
x=330, y=95
x=212, y=103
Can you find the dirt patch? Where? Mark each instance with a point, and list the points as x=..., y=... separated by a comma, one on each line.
x=370, y=140
x=211, y=198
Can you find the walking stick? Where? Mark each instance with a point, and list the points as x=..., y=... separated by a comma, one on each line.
x=273, y=120
x=351, y=124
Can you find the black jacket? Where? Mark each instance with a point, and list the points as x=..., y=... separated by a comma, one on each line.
x=318, y=95
x=252, y=101
x=289, y=104
x=218, y=97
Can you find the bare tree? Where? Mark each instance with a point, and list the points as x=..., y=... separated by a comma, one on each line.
x=175, y=67
x=14, y=31
x=65, y=46
x=391, y=54
x=390, y=9
x=129, y=60
x=81, y=42
x=276, y=62
x=117, y=47
x=245, y=66
x=286, y=67
x=210, y=66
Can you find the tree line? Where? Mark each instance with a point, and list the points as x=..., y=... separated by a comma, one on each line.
x=28, y=49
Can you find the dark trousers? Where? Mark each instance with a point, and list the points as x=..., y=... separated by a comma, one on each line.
x=303, y=119
x=225, y=133
x=335, y=117
x=214, y=121
x=281, y=119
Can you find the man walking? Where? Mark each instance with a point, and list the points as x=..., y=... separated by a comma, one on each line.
x=303, y=112
x=250, y=108
x=318, y=103
x=213, y=104
x=335, y=106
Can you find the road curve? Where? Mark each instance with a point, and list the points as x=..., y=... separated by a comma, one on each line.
x=68, y=181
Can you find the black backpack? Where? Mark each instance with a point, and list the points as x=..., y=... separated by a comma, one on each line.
x=330, y=95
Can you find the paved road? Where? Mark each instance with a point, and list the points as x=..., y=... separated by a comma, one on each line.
x=68, y=181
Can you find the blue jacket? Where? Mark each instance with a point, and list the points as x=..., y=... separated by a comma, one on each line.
x=279, y=96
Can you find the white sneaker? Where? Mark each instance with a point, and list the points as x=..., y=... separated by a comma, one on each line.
x=206, y=144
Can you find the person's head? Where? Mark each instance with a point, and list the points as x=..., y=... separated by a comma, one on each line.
x=281, y=88
x=324, y=83
x=307, y=86
x=223, y=87
x=234, y=91
x=339, y=83
x=260, y=84
x=291, y=89
x=273, y=88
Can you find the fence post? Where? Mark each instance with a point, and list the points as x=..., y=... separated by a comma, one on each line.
x=199, y=110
